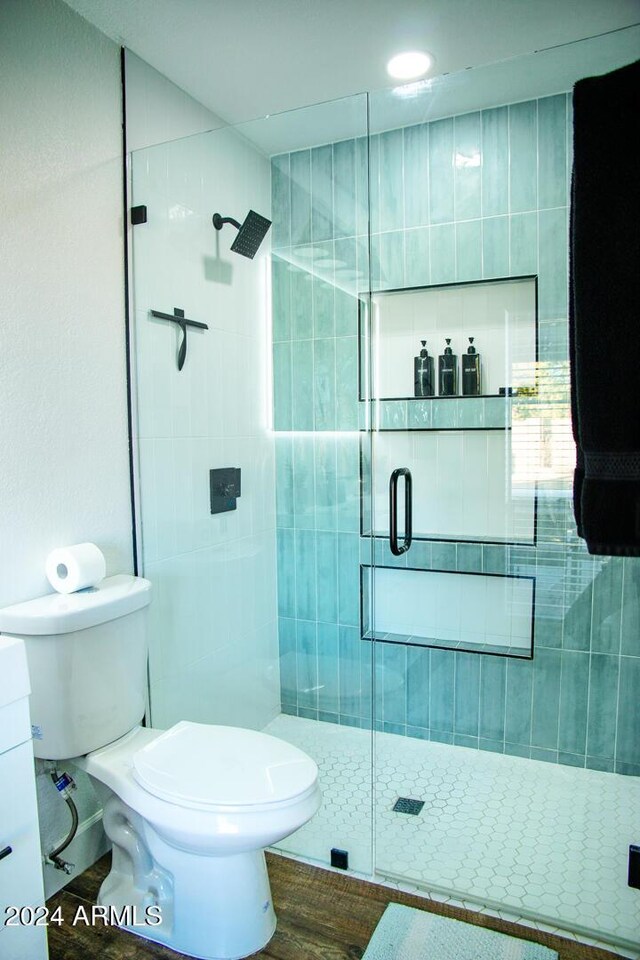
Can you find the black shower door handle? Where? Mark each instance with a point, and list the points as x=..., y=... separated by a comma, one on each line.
x=397, y=550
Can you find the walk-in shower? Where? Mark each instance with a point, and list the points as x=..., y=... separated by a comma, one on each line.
x=490, y=670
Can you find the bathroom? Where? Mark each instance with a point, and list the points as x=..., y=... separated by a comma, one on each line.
x=394, y=212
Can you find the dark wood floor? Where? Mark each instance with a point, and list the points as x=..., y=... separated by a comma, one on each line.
x=321, y=916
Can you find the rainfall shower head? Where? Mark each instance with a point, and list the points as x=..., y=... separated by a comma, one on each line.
x=250, y=234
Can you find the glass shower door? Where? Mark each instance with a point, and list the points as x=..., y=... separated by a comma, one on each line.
x=501, y=751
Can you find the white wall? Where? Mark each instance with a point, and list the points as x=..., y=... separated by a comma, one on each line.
x=158, y=110
x=64, y=471
x=213, y=637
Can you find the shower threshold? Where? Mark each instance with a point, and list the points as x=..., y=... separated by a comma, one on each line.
x=537, y=842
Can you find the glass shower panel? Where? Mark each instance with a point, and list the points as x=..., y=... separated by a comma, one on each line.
x=501, y=742
x=256, y=616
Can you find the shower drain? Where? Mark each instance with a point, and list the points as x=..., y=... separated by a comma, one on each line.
x=407, y=805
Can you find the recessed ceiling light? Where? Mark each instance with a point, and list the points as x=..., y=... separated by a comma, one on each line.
x=409, y=66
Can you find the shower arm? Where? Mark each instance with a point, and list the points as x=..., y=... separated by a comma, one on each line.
x=219, y=221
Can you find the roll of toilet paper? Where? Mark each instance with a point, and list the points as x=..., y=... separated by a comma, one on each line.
x=73, y=568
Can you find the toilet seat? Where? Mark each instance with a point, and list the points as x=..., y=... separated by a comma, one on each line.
x=201, y=766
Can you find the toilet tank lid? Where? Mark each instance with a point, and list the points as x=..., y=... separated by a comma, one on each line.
x=67, y=612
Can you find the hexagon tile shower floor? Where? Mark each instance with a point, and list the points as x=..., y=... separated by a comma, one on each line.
x=536, y=840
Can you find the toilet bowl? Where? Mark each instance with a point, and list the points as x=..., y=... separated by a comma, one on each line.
x=189, y=811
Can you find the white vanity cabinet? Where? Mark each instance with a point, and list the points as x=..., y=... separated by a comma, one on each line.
x=20, y=865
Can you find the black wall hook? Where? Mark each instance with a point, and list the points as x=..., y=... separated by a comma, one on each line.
x=179, y=318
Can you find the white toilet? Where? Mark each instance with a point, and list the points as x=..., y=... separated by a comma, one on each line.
x=189, y=810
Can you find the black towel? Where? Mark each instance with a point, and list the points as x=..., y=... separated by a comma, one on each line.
x=604, y=310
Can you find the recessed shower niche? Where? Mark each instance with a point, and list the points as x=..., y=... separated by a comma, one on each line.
x=468, y=453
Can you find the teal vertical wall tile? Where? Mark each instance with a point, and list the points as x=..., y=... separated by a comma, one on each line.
x=442, y=691
x=392, y=682
x=495, y=161
x=284, y=481
x=577, y=621
x=367, y=665
x=493, y=686
x=327, y=576
x=603, y=702
x=552, y=262
x=302, y=362
x=374, y=183
x=323, y=308
x=324, y=384
x=418, y=686
x=628, y=738
x=546, y=699
x=441, y=171
x=346, y=259
x=300, y=173
x=282, y=386
x=548, y=631
x=443, y=254
x=350, y=683
x=328, y=667
x=469, y=557
x=545, y=754
x=467, y=694
x=288, y=661
x=519, y=697
x=301, y=304
x=280, y=299
x=416, y=175
x=348, y=483
x=552, y=151
x=421, y=555
x=523, y=245
x=522, y=156
x=326, y=516
x=606, y=617
x=574, y=687
x=444, y=556
x=307, y=662
x=469, y=250
x=467, y=166
x=322, y=193
x=391, y=260
x=305, y=574
x=416, y=257
x=494, y=558
x=363, y=201
x=630, y=620
x=419, y=412
x=495, y=247
x=347, y=383
x=286, y=573
x=348, y=579
x=304, y=493
x=390, y=181
x=346, y=314
x=344, y=188
x=281, y=201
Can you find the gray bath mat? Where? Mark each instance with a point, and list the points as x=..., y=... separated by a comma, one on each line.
x=407, y=934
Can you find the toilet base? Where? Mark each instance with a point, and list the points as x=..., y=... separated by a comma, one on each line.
x=213, y=908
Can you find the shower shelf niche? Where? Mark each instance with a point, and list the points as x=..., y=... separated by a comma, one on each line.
x=488, y=412
x=449, y=610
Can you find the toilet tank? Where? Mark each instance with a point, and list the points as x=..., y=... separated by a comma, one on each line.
x=87, y=658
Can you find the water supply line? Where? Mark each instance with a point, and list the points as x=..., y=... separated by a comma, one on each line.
x=64, y=784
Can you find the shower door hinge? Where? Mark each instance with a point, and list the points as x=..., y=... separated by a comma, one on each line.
x=138, y=215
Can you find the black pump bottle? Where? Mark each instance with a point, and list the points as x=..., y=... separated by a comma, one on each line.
x=471, y=386
x=423, y=373
x=448, y=372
